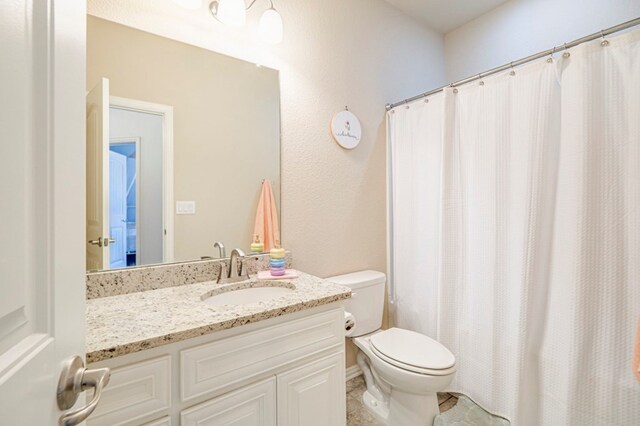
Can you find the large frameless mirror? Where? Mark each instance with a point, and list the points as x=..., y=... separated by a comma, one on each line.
x=183, y=146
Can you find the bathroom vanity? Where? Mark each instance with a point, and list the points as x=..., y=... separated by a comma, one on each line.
x=177, y=360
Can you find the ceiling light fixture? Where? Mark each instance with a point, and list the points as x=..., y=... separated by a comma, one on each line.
x=271, y=27
x=230, y=12
x=234, y=14
x=189, y=4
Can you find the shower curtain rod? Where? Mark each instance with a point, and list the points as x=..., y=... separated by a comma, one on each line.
x=510, y=65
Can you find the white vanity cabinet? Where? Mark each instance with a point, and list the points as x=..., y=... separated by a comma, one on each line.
x=313, y=394
x=253, y=405
x=287, y=370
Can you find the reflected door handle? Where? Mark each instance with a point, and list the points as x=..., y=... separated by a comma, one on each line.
x=102, y=242
x=97, y=242
x=74, y=379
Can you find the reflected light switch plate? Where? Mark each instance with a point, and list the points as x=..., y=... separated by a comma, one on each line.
x=185, y=207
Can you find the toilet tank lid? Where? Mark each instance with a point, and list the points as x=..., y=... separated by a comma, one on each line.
x=360, y=279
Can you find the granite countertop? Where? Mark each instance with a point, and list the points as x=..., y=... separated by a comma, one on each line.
x=127, y=323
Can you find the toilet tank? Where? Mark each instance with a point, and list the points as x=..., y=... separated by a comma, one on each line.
x=367, y=299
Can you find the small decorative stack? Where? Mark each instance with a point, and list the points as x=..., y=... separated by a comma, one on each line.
x=256, y=245
x=277, y=261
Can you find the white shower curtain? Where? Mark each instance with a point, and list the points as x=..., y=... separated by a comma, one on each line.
x=523, y=257
x=416, y=189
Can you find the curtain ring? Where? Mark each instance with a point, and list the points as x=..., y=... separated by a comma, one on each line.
x=566, y=53
x=512, y=72
x=406, y=104
x=550, y=59
x=481, y=83
x=604, y=41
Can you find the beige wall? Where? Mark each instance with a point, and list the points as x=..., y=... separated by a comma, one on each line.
x=360, y=53
x=226, y=127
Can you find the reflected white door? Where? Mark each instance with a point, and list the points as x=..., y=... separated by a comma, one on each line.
x=42, y=288
x=118, y=209
x=98, y=177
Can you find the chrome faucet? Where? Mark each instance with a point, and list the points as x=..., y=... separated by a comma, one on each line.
x=224, y=276
x=239, y=256
x=221, y=249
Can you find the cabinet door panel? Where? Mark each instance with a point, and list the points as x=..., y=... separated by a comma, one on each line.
x=254, y=405
x=135, y=391
x=165, y=421
x=313, y=395
x=219, y=365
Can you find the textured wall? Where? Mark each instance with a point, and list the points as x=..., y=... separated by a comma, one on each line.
x=521, y=28
x=360, y=53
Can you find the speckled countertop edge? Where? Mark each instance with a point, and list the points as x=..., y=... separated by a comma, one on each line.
x=124, y=324
x=115, y=282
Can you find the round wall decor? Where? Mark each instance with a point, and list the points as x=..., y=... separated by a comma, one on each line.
x=346, y=129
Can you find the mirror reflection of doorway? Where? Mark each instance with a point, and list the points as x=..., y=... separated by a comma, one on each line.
x=124, y=192
x=136, y=186
x=129, y=181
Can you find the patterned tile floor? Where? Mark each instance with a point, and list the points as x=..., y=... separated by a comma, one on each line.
x=357, y=414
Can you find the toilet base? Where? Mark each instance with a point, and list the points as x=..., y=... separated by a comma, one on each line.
x=395, y=396
x=379, y=409
x=407, y=409
x=403, y=409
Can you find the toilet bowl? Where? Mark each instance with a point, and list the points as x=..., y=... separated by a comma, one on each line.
x=399, y=392
x=403, y=369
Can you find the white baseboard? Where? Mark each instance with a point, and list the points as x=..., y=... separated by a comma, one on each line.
x=353, y=372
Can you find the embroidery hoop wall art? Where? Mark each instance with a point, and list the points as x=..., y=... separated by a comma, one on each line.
x=346, y=129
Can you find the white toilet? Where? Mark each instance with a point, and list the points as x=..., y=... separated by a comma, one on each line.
x=403, y=369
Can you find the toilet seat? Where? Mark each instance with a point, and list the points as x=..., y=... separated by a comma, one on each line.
x=413, y=352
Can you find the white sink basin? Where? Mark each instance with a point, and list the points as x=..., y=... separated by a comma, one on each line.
x=243, y=295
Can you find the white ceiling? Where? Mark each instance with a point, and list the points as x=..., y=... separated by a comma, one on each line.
x=445, y=15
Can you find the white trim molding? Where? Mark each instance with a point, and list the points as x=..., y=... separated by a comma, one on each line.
x=352, y=372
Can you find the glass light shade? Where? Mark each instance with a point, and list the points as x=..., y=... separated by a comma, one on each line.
x=189, y=4
x=271, y=27
x=232, y=12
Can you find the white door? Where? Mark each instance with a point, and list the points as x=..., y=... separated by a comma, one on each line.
x=42, y=279
x=313, y=395
x=118, y=209
x=98, y=236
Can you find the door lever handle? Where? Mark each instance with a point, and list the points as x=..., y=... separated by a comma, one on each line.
x=97, y=242
x=75, y=378
x=102, y=242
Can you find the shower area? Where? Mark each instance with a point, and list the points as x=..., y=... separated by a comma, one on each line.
x=514, y=237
